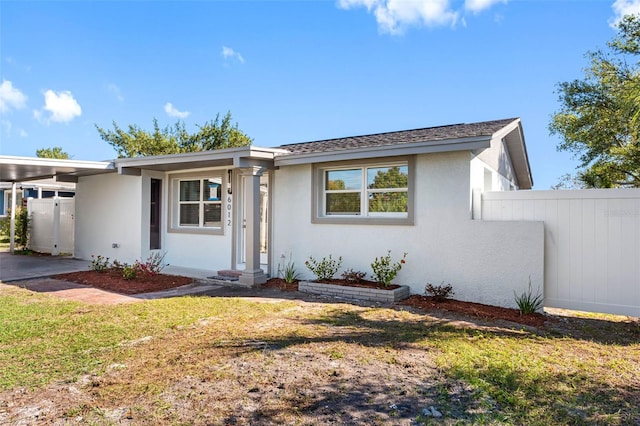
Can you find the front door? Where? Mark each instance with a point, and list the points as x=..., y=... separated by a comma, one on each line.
x=154, y=219
x=264, y=222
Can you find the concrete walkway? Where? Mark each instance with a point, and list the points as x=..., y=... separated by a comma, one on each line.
x=15, y=267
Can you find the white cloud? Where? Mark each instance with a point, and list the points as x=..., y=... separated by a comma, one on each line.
x=22, y=133
x=115, y=90
x=480, y=5
x=10, y=97
x=62, y=106
x=173, y=112
x=394, y=16
x=229, y=53
x=623, y=7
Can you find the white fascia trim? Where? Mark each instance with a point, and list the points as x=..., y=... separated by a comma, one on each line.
x=51, y=162
x=466, y=144
x=232, y=154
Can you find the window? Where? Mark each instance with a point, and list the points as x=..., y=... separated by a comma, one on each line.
x=364, y=193
x=197, y=203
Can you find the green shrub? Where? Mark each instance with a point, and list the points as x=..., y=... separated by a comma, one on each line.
x=324, y=269
x=22, y=227
x=288, y=271
x=99, y=263
x=130, y=272
x=527, y=302
x=384, y=271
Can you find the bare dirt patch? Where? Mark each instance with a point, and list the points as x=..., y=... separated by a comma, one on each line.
x=112, y=280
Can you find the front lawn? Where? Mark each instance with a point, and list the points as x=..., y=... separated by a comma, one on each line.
x=202, y=360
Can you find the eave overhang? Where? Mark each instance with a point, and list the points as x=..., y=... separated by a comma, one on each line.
x=513, y=136
x=24, y=169
x=231, y=158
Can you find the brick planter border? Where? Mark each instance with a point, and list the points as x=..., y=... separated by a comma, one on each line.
x=357, y=293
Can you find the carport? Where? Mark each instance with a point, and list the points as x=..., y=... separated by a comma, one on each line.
x=15, y=170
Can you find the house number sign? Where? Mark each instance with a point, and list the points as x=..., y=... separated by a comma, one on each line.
x=229, y=198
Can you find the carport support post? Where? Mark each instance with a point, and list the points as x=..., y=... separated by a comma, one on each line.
x=252, y=275
x=12, y=233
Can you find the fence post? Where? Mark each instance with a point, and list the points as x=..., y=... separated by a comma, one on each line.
x=55, y=250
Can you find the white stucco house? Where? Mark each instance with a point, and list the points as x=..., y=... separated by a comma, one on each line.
x=250, y=209
x=247, y=209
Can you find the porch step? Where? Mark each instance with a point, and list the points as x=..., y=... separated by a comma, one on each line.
x=230, y=273
x=227, y=275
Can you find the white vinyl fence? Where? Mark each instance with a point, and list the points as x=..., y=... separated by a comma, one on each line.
x=52, y=227
x=592, y=244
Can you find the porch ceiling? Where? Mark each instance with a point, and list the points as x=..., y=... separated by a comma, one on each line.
x=23, y=169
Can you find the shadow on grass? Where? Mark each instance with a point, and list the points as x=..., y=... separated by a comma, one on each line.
x=504, y=388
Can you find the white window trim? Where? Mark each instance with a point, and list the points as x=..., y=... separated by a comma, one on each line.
x=173, y=224
x=318, y=189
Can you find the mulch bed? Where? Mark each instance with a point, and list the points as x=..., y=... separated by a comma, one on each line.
x=112, y=280
x=475, y=310
x=425, y=303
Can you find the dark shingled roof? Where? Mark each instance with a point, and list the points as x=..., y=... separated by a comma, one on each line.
x=439, y=133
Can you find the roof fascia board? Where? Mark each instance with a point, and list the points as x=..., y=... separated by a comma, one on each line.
x=50, y=162
x=234, y=155
x=467, y=144
x=518, y=150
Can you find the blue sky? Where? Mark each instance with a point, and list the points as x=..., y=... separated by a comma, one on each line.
x=291, y=71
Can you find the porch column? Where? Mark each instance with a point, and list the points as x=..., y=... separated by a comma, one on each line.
x=12, y=229
x=252, y=275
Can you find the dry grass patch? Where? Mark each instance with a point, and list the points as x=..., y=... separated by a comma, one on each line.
x=232, y=361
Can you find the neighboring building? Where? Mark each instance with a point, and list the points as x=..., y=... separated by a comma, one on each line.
x=45, y=188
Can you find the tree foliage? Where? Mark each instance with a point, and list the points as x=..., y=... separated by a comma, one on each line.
x=389, y=201
x=54, y=152
x=599, y=115
x=137, y=142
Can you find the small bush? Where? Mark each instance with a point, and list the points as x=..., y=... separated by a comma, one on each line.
x=353, y=276
x=288, y=271
x=99, y=263
x=527, y=302
x=153, y=265
x=324, y=269
x=130, y=272
x=384, y=271
x=439, y=292
x=22, y=227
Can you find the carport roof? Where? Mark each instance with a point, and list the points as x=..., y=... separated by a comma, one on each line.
x=22, y=169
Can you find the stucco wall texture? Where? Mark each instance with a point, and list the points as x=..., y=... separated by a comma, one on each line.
x=485, y=262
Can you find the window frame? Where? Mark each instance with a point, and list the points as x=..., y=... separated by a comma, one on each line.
x=318, y=207
x=175, y=202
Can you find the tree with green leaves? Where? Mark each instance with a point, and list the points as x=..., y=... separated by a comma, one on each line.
x=389, y=201
x=599, y=115
x=137, y=142
x=55, y=152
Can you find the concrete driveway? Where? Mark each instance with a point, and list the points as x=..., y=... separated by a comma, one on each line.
x=22, y=267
